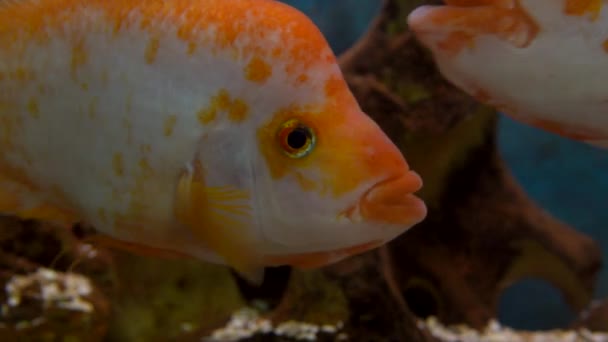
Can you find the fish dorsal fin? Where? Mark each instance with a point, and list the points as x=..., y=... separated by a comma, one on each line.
x=218, y=216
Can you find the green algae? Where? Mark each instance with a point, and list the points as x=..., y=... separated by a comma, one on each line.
x=398, y=24
x=314, y=298
x=412, y=93
x=434, y=157
x=165, y=299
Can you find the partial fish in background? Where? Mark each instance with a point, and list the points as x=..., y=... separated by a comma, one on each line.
x=542, y=62
x=216, y=129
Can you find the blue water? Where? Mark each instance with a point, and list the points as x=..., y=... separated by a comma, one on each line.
x=342, y=21
x=568, y=179
x=565, y=177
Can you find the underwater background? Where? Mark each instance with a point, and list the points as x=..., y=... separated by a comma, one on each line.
x=567, y=178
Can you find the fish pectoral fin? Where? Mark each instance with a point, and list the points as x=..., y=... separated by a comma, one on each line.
x=218, y=216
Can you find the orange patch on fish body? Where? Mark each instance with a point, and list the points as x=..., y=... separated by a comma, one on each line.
x=583, y=7
x=79, y=57
x=235, y=108
x=238, y=110
x=133, y=218
x=469, y=19
x=22, y=75
x=118, y=164
x=206, y=115
x=152, y=50
x=169, y=124
x=301, y=79
x=32, y=107
x=258, y=70
x=605, y=45
x=295, y=31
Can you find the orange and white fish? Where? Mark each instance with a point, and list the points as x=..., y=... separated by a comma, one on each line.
x=542, y=62
x=217, y=129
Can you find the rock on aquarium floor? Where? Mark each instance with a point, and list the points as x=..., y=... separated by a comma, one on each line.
x=247, y=323
x=494, y=332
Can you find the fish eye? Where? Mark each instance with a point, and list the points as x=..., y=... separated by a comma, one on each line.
x=296, y=139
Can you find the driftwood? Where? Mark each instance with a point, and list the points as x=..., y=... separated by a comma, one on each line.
x=482, y=234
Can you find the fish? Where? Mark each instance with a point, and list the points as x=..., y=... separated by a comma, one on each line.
x=220, y=130
x=541, y=62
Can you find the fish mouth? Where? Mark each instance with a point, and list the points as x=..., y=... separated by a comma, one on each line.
x=388, y=202
x=392, y=201
x=461, y=21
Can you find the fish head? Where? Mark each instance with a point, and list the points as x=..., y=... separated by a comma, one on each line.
x=330, y=183
x=313, y=178
x=538, y=61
